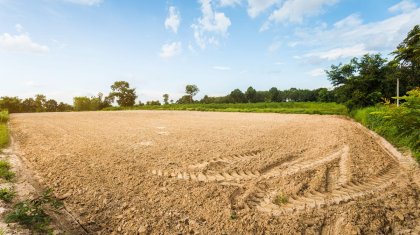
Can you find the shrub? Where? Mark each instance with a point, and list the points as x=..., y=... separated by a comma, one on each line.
x=5, y=171
x=7, y=195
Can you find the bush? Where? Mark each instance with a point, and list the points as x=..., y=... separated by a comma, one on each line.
x=399, y=125
x=5, y=172
x=7, y=195
x=31, y=213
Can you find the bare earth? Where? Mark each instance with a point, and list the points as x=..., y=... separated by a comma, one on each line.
x=220, y=173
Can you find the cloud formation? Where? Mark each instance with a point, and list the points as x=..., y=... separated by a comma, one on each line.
x=170, y=50
x=210, y=25
x=173, y=20
x=21, y=42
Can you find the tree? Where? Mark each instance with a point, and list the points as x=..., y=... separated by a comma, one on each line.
x=407, y=60
x=12, y=104
x=362, y=82
x=82, y=103
x=191, y=90
x=153, y=103
x=251, y=95
x=28, y=105
x=237, y=96
x=62, y=107
x=51, y=105
x=165, y=98
x=274, y=94
x=40, y=101
x=126, y=96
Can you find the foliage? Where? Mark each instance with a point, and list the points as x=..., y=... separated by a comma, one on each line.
x=125, y=95
x=283, y=107
x=4, y=134
x=4, y=116
x=30, y=105
x=5, y=171
x=280, y=199
x=399, y=125
x=153, y=102
x=31, y=213
x=165, y=98
x=7, y=195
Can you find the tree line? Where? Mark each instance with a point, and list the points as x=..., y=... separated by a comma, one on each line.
x=359, y=83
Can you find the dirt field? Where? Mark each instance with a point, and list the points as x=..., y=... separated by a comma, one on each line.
x=220, y=173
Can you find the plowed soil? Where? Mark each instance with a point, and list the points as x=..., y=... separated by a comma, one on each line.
x=220, y=173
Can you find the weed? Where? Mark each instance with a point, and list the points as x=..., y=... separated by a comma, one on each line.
x=4, y=135
x=31, y=213
x=280, y=199
x=7, y=195
x=5, y=172
x=233, y=215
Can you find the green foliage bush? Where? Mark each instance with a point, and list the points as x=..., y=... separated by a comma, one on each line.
x=7, y=195
x=31, y=213
x=399, y=125
x=5, y=170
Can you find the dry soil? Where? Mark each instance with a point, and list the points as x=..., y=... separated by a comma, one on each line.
x=175, y=172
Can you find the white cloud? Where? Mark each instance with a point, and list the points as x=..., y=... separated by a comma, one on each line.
x=210, y=25
x=317, y=72
x=225, y=3
x=350, y=21
x=403, y=6
x=295, y=10
x=173, y=20
x=350, y=37
x=340, y=53
x=223, y=68
x=256, y=7
x=85, y=2
x=170, y=50
x=20, y=42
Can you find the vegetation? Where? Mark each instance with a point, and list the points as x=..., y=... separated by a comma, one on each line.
x=5, y=171
x=4, y=134
x=125, y=95
x=31, y=213
x=399, y=125
x=286, y=107
x=7, y=195
x=280, y=199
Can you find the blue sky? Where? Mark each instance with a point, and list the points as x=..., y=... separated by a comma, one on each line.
x=67, y=48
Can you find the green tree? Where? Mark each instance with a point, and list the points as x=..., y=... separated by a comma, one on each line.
x=165, y=98
x=251, y=95
x=12, y=104
x=28, y=105
x=274, y=95
x=237, y=96
x=51, y=106
x=407, y=57
x=125, y=95
x=40, y=101
x=191, y=90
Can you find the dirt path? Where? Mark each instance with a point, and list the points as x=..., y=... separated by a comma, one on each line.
x=215, y=173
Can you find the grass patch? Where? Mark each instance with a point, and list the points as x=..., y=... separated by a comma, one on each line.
x=7, y=195
x=4, y=135
x=5, y=172
x=233, y=215
x=32, y=213
x=280, y=107
x=280, y=199
x=4, y=116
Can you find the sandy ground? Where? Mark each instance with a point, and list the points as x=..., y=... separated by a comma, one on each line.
x=162, y=172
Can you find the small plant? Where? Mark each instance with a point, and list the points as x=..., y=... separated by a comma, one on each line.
x=31, y=213
x=233, y=215
x=280, y=199
x=5, y=172
x=7, y=195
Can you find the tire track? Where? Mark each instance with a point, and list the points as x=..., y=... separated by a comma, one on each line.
x=314, y=199
x=229, y=159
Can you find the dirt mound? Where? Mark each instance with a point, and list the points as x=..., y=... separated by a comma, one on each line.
x=215, y=173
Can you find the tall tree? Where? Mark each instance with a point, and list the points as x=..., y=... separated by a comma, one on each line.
x=237, y=96
x=251, y=95
x=165, y=98
x=125, y=95
x=191, y=90
x=40, y=101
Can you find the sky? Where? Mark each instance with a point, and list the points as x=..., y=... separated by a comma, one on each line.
x=68, y=48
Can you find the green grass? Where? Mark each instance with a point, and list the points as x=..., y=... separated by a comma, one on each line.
x=7, y=195
x=32, y=213
x=280, y=199
x=5, y=172
x=4, y=116
x=281, y=107
x=4, y=135
x=400, y=126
